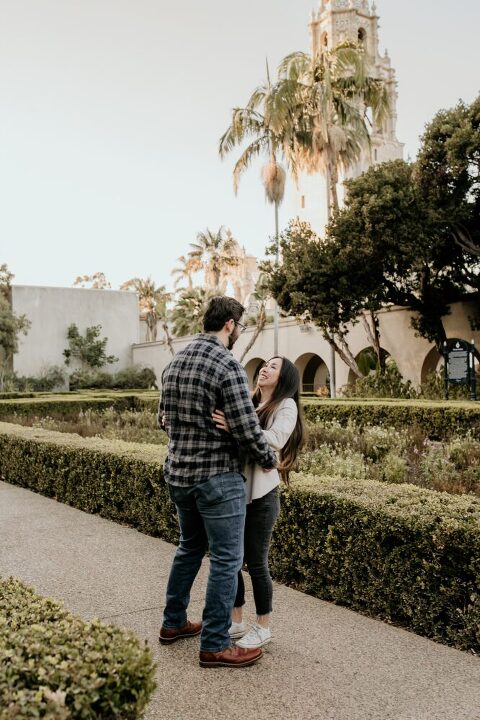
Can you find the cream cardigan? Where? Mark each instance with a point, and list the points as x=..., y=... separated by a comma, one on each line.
x=280, y=427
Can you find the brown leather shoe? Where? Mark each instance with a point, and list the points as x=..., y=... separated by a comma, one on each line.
x=170, y=635
x=230, y=657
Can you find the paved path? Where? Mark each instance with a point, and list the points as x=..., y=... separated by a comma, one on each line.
x=325, y=662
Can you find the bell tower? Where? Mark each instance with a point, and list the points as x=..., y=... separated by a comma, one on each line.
x=333, y=22
x=337, y=20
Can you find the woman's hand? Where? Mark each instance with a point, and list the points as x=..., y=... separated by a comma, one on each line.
x=220, y=420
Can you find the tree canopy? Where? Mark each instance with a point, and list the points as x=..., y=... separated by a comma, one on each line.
x=395, y=242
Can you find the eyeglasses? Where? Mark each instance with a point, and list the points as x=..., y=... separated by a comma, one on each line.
x=243, y=327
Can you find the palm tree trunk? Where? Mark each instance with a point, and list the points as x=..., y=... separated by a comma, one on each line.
x=333, y=369
x=276, y=313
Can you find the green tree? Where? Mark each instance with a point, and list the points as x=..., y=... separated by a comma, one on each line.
x=188, y=311
x=89, y=350
x=215, y=254
x=267, y=120
x=331, y=95
x=97, y=281
x=186, y=267
x=153, y=302
x=11, y=324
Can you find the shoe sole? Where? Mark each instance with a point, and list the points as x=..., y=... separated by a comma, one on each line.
x=169, y=641
x=254, y=647
x=237, y=635
x=217, y=663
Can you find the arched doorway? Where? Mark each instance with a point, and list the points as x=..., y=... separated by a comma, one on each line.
x=367, y=361
x=432, y=364
x=313, y=373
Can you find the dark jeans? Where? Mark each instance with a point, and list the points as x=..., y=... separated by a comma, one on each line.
x=211, y=515
x=261, y=516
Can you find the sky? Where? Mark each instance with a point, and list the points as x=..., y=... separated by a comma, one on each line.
x=111, y=112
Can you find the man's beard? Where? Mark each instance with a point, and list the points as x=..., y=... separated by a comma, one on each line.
x=231, y=341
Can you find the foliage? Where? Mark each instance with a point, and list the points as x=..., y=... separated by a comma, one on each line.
x=188, y=311
x=388, y=384
x=89, y=350
x=407, y=555
x=326, y=97
x=414, y=559
x=11, y=325
x=129, y=378
x=216, y=254
x=97, y=281
x=304, y=283
x=55, y=665
x=437, y=420
x=153, y=303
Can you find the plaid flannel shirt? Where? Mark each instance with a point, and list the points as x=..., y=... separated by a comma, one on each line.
x=203, y=377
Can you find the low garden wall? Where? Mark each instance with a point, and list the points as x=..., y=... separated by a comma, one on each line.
x=397, y=552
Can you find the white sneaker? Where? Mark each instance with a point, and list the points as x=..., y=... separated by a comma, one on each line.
x=257, y=637
x=237, y=629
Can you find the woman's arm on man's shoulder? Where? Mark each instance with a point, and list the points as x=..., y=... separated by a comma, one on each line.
x=284, y=421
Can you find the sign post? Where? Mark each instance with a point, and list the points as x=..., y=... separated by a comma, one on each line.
x=459, y=365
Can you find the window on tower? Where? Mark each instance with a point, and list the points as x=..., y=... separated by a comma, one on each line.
x=362, y=35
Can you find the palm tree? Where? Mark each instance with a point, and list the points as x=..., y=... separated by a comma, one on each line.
x=185, y=269
x=261, y=294
x=153, y=306
x=215, y=253
x=187, y=315
x=332, y=94
x=268, y=119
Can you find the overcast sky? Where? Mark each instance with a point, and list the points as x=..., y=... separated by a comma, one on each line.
x=111, y=111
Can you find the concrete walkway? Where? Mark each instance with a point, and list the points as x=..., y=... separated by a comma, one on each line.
x=325, y=662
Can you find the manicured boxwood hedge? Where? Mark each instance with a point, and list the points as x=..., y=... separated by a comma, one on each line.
x=437, y=419
x=67, y=406
x=55, y=665
x=397, y=552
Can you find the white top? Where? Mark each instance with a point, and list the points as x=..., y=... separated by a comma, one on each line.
x=280, y=426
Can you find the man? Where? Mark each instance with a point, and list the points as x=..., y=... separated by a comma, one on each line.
x=203, y=471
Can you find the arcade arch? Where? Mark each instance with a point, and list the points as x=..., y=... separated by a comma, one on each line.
x=252, y=368
x=313, y=372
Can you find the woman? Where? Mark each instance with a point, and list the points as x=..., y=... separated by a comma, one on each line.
x=276, y=398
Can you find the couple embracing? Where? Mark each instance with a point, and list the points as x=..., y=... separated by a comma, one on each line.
x=226, y=455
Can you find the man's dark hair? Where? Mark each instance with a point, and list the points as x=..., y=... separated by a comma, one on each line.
x=220, y=309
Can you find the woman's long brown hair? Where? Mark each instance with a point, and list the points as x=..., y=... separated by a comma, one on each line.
x=288, y=386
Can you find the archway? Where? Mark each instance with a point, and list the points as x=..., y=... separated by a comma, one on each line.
x=433, y=363
x=313, y=373
x=366, y=360
x=252, y=368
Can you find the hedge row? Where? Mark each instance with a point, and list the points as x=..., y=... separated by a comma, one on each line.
x=437, y=419
x=67, y=406
x=55, y=665
x=404, y=554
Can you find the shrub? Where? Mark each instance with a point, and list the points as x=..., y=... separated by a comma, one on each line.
x=133, y=377
x=404, y=554
x=435, y=419
x=376, y=384
x=55, y=665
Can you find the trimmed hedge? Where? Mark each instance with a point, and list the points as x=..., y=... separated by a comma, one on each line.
x=398, y=552
x=437, y=419
x=55, y=665
x=401, y=553
x=67, y=406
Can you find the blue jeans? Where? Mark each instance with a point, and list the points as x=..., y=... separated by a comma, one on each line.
x=211, y=515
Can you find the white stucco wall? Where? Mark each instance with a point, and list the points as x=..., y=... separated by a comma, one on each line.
x=300, y=344
x=52, y=310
